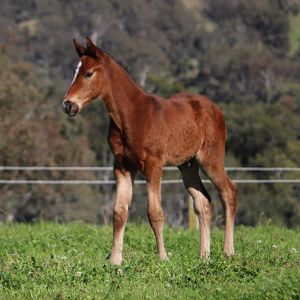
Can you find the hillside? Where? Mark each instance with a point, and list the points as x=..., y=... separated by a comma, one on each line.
x=49, y=260
x=243, y=55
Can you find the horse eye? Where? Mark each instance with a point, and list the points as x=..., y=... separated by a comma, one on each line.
x=88, y=74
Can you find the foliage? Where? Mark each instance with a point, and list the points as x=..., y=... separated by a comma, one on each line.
x=48, y=260
x=33, y=132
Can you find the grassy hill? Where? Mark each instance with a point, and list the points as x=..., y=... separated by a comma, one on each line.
x=58, y=261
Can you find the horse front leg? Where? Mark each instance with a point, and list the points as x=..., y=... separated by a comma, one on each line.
x=124, y=181
x=155, y=212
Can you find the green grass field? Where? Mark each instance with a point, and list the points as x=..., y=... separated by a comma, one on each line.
x=68, y=261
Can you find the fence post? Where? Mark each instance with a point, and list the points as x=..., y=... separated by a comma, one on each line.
x=193, y=219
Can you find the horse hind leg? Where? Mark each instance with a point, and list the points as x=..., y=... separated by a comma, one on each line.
x=214, y=169
x=202, y=203
x=229, y=202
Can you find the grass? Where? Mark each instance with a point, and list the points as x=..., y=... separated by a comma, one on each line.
x=59, y=261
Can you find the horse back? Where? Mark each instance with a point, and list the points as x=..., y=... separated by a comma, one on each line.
x=189, y=121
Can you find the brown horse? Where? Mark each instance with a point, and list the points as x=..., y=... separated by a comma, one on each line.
x=147, y=132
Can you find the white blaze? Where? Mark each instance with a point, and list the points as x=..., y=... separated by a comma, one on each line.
x=75, y=75
x=77, y=71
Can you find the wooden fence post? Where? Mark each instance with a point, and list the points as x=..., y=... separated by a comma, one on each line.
x=193, y=219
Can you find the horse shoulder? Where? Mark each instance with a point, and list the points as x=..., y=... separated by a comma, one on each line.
x=115, y=140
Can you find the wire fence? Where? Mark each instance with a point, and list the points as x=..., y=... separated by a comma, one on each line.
x=109, y=182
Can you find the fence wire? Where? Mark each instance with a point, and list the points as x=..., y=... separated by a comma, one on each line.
x=109, y=182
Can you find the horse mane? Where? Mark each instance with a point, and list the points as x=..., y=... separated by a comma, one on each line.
x=121, y=64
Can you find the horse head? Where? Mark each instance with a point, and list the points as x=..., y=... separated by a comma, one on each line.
x=89, y=80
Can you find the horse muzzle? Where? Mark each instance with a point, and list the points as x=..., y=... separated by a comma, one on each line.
x=70, y=108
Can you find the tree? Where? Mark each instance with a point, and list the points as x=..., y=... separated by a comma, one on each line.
x=32, y=134
x=234, y=52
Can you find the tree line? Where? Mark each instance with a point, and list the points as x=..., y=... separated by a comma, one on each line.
x=243, y=55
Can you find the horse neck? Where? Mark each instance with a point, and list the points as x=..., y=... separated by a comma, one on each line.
x=124, y=96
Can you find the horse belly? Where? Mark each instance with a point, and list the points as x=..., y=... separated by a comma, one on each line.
x=182, y=146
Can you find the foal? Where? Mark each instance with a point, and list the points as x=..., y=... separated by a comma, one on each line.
x=147, y=132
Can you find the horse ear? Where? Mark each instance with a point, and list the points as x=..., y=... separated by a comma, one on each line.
x=81, y=50
x=93, y=49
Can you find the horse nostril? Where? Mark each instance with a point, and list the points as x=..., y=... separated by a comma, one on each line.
x=66, y=106
x=70, y=108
